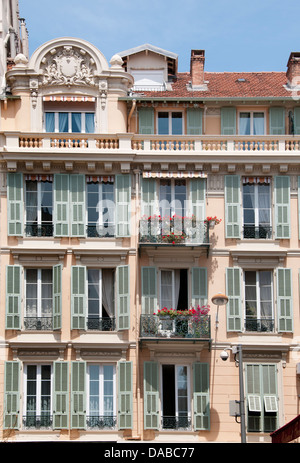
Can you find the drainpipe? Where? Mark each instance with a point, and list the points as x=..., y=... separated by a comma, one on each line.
x=131, y=112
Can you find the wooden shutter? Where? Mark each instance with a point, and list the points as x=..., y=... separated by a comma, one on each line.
x=77, y=205
x=199, y=286
x=146, y=121
x=57, y=301
x=61, y=205
x=282, y=207
x=297, y=121
x=61, y=395
x=284, y=300
x=194, y=121
x=78, y=297
x=125, y=395
x=123, y=202
x=78, y=395
x=15, y=205
x=197, y=208
x=123, y=299
x=201, y=396
x=149, y=290
x=13, y=297
x=232, y=206
x=277, y=121
x=228, y=121
x=11, y=395
x=233, y=291
x=151, y=395
x=149, y=203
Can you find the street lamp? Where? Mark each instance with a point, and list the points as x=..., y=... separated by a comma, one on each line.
x=219, y=299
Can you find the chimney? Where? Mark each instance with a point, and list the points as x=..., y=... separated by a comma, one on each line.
x=293, y=69
x=197, y=67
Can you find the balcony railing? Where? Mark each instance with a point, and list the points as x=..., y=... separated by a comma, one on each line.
x=145, y=143
x=32, y=421
x=176, y=423
x=183, y=326
x=38, y=323
x=32, y=229
x=259, y=325
x=101, y=422
x=101, y=324
x=178, y=231
x=260, y=232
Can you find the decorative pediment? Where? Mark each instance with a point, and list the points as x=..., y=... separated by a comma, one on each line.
x=68, y=66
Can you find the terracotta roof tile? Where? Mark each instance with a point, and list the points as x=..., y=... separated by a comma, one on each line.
x=229, y=84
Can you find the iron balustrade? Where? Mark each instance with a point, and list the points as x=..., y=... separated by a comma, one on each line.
x=38, y=323
x=103, y=231
x=182, y=326
x=32, y=421
x=260, y=232
x=259, y=325
x=101, y=324
x=101, y=422
x=176, y=423
x=33, y=229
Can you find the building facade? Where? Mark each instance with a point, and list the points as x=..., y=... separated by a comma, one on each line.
x=111, y=176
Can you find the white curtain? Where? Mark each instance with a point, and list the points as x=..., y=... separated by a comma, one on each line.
x=108, y=291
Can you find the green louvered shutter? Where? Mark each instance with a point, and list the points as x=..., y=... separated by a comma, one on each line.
x=15, y=204
x=123, y=202
x=194, y=121
x=11, y=411
x=77, y=205
x=123, y=299
x=199, y=286
x=149, y=203
x=234, y=305
x=282, y=207
x=13, y=297
x=297, y=121
x=277, y=121
x=197, y=208
x=201, y=396
x=78, y=297
x=284, y=300
x=228, y=121
x=149, y=290
x=61, y=395
x=125, y=395
x=232, y=206
x=57, y=301
x=146, y=121
x=78, y=395
x=151, y=395
x=61, y=205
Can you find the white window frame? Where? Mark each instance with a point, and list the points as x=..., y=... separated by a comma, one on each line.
x=252, y=112
x=256, y=204
x=39, y=291
x=173, y=199
x=100, y=221
x=170, y=112
x=99, y=270
x=258, y=289
x=56, y=120
x=189, y=392
x=38, y=387
x=39, y=201
x=101, y=388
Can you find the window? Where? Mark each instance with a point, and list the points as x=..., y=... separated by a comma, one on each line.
x=70, y=122
x=259, y=300
x=262, y=398
x=174, y=289
x=100, y=299
x=101, y=411
x=176, y=413
x=39, y=206
x=172, y=197
x=38, y=309
x=37, y=404
x=257, y=209
x=100, y=208
x=251, y=123
x=169, y=123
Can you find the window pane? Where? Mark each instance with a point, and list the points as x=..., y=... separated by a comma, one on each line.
x=177, y=123
x=89, y=123
x=244, y=125
x=163, y=123
x=258, y=124
x=63, y=122
x=50, y=122
x=76, y=122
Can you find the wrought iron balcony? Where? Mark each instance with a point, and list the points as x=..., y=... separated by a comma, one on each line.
x=101, y=324
x=173, y=231
x=177, y=423
x=259, y=325
x=260, y=232
x=38, y=323
x=100, y=231
x=33, y=229
x=101, y=422
x=183, y=326
x=32, y=421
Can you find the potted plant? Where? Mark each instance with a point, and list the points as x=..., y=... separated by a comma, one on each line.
x=212, y=221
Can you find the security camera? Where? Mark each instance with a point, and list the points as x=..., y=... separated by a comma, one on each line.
x=224, y=355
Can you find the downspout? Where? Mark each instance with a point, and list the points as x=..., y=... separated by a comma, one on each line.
x=130, y=114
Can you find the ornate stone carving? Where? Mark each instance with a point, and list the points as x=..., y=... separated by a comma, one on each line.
x=68, y=66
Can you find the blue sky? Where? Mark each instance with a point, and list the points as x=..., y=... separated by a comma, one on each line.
x=237, y=35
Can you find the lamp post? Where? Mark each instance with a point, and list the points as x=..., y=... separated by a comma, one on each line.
x=222, y=299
